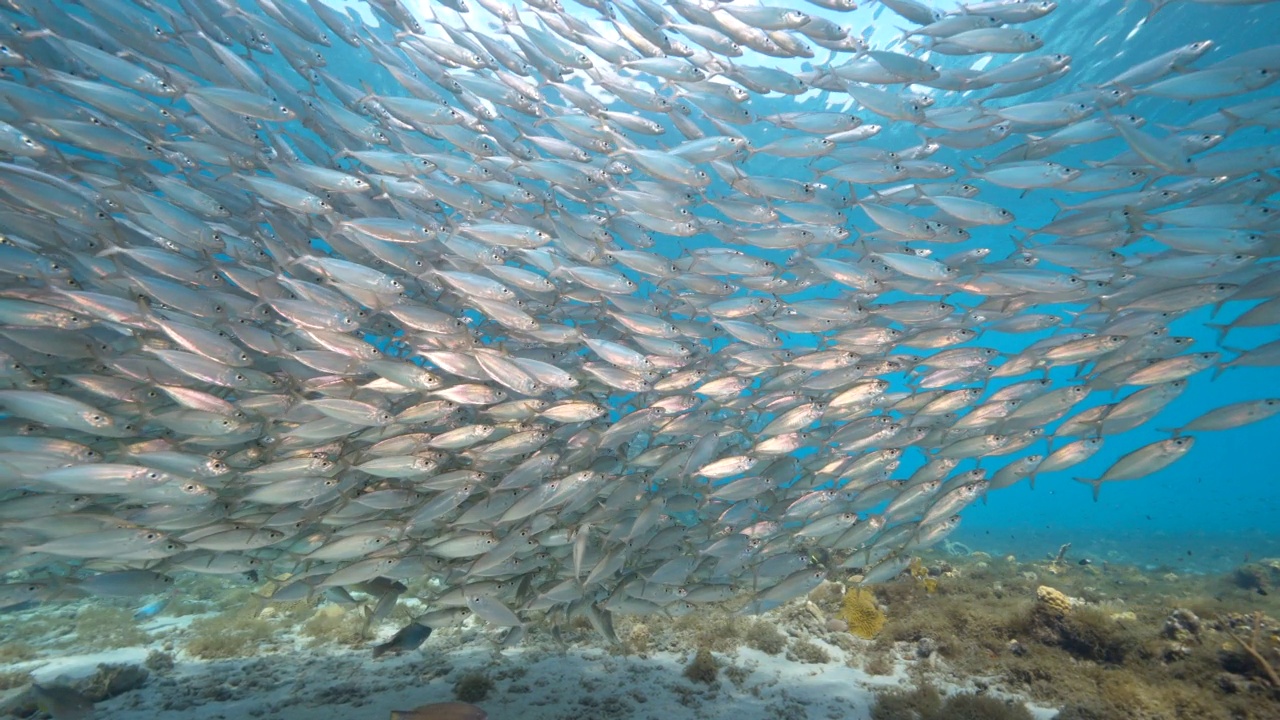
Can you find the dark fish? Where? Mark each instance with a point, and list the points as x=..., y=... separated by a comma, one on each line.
x=409, y=638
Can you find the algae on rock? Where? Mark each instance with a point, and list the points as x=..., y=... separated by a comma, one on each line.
x=228, y=635
x=108, y=628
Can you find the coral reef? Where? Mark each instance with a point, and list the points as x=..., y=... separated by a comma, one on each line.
x=1106, y=642
x=106, y=627
x=967, y=706
x=703, y=667
x=926, y=703
x=227, y=635
x=159, y=662
x=1261, y=651
x=1052, y=602
x=903, y=704
x=1100, y=640
x=715, y=630
x=1260, y=577
x=878, y=663
x=1182, y=625
x=806, y=651
x=108, y=681
x=336, y=624
x=764, y=636
x=1087, y=633
x=861, y=614
x=924, y=575
x=473, y=686
x=639, y=638
x=112, y=680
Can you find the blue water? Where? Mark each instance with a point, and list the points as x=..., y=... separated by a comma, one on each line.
x=1226, y=489
x=1226, y=492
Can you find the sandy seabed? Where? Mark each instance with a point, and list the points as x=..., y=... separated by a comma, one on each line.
x=1086, y=634
x=295, y=678
x=528, y=684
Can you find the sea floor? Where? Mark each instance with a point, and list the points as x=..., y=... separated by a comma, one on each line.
x=1008, y=637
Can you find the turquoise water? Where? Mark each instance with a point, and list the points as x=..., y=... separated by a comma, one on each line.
x=1224, y=492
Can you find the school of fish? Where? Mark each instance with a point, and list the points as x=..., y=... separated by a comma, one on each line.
x=514, y=297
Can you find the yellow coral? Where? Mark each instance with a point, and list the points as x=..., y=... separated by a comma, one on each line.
x=1052, y=601
x=861, y=614
x=920, y=573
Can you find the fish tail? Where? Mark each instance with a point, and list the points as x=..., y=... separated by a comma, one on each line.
x=1234, y=121
x=1095, y=482
x=1156, y=6
x=1222, y=366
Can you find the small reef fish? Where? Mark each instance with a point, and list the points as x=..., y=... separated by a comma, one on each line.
x=407, y=639
x=152, y=609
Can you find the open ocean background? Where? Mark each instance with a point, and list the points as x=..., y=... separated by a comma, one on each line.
x=1221, y=503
